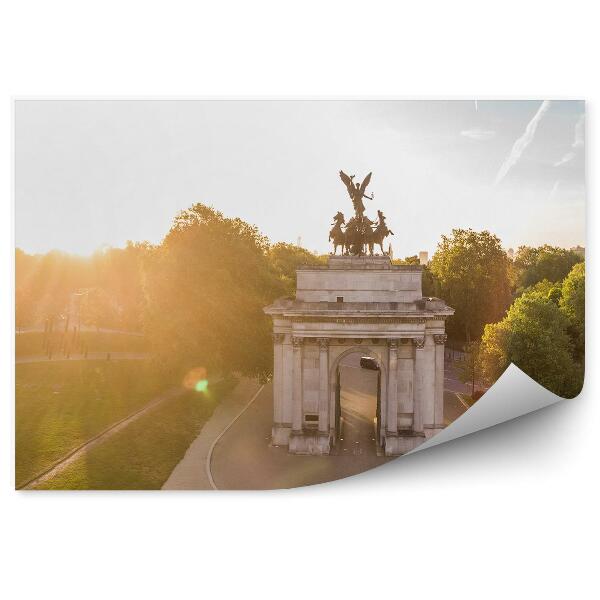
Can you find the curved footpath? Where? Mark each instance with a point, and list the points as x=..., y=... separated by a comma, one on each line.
x=191, y=472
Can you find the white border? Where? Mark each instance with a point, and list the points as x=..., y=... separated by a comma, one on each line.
x=507, y=513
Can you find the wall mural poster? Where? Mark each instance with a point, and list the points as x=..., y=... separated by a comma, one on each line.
x=272, y=294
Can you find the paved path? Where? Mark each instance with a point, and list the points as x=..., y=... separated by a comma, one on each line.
x=191, y=472
x=358, y=403
x=60, y=326
x=91, y=356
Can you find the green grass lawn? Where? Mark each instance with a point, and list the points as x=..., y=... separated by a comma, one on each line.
x=61, y=405
x=32, y=343
x=142, y=455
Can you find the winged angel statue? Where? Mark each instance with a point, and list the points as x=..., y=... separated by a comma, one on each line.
x=357, y=192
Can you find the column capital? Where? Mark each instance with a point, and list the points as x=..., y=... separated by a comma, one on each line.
x=278, y=338
x=323, y=343
x=297, y=342
x=419, y=343
x=440, y=338
x=392, y=343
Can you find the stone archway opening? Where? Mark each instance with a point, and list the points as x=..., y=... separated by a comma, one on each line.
x=357, y=405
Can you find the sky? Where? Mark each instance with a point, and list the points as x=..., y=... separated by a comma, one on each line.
x=95, y=173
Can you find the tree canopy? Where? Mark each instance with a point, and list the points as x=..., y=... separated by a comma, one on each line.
x=107, y=284
x=532, y=265
x=471, y=272
x=206, y=286
x=572, y=303
x=286, y=258
x=542, y=334
x=409, y=260
x=533, y=336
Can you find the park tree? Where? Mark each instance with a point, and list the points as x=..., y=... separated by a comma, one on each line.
x=206, y=286
x=430, y=283
x=533, y=335
x=532, y=265
x=286, y=258
x=471, y=273
x=572, y=304
x=58, y=274
x=118, y=272
x=409, y=260
x=551, y=290
x=24, y=309
x=47, y=283
x=99, y=309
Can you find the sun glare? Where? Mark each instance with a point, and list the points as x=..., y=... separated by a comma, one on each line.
x=201, y=385
x=196, y=379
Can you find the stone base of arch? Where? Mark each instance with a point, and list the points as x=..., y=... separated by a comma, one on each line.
x=280, y=434
x=321, y=443
x=398, y=444
x=309, y=442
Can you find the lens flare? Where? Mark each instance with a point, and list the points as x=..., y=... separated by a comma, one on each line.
x=196, y=380
x=202, y=385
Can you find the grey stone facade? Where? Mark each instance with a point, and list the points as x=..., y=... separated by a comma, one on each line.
x=366, y=305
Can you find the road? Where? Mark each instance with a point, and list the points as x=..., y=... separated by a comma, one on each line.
x=358, y=403
x=243, y=458
x=454, y=406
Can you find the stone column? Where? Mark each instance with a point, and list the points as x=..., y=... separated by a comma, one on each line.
x=287, y=381
x=419, y=344
x=391, y=427
x=324, y=386
x=297, y=409
x=278, y=379
x=406, y=404
x=429, y=378
x=438, y=404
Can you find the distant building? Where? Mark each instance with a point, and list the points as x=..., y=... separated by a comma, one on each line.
x=578, y=250
x=423, y=257
x=511, y=253
x=299, y=244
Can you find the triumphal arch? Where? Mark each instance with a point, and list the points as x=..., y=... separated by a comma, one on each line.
x=358, y=302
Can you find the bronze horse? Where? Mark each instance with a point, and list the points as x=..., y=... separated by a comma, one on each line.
x=337, y=235
x=358, y=232
x=377, y=235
